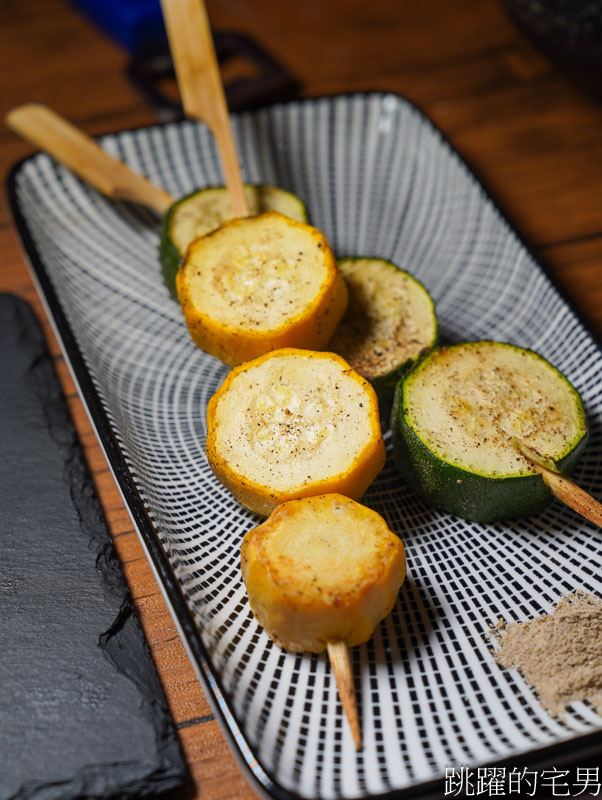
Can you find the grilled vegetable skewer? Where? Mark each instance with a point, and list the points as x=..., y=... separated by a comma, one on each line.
x=312, y=296
x=321, y=573
x=458, y=415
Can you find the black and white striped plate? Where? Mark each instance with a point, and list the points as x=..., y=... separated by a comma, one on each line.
x=378, y=179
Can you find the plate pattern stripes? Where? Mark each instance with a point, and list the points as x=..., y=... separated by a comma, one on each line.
x=378, y=179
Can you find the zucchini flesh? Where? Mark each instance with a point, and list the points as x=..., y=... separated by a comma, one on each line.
x=258, y=277
x=457, y=415
x=203, y=211
x=389, y=324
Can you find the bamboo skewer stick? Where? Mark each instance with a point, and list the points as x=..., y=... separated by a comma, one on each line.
x=338, y=653
x=573, y=496
x=563, y=488
x=201, y=87
x=45, y=129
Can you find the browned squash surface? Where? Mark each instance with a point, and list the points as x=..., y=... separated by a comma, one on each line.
x=322, y=569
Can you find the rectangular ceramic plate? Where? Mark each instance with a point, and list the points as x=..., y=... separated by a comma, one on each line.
x=378, y=179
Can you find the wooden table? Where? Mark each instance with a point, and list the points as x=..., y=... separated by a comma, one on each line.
x=533, y=138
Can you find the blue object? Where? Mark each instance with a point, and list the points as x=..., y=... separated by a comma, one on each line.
x=134, y=24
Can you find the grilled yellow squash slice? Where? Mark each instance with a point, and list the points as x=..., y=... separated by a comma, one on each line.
x=291, y=424
x=258, y=284
x=322, y=569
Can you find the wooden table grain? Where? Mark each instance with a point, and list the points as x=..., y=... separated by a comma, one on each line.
x=533, y=138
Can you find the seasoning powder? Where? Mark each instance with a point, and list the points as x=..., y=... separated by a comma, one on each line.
x=559, y=654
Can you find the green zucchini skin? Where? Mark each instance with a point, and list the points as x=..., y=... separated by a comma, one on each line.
x=169, y=255
x=467, y=494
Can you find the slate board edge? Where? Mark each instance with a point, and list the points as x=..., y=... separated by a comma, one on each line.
x=561, y=753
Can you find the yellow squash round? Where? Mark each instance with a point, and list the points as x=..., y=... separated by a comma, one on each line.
x=294, y=423
x=258, y=284
x=322, y=569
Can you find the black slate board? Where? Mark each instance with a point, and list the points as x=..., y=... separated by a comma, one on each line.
x=82, y=711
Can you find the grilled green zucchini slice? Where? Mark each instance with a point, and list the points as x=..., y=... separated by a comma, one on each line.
x=389, y=324
x=456, y=419
x=203, y=211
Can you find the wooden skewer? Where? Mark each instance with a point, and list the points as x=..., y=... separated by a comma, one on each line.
x=563, y=488
x=201, y=87
x=47, y=130
x=338, y=653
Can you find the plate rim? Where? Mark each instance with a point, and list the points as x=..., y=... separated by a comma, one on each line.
x=564, y=750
